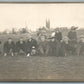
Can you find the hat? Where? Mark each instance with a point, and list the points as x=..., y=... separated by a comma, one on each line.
x=9, y=38
x=53, y=34
x=73, y=28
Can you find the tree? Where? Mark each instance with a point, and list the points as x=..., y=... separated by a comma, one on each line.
x=4, y=32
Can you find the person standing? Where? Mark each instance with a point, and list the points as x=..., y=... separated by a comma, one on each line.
x=52, y=47
x=58, y=35
x=58, y=38
x=72, y=35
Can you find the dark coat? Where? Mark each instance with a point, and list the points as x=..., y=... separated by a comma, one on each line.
x=20, y=46
x=72, y=35
x=30, y=44
x=52, y=48
x=58, y=36
x=8, y=47
x=73, y=42
x=44, y=47
x=65, y=45
x=64, y=49
x=81, y=48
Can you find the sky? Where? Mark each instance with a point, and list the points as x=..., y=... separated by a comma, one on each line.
x=34, y=15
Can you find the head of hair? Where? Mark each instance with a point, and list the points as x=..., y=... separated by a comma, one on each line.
x=21, y=37
x=9, y=38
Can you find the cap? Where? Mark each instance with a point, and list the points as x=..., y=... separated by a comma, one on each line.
x=73, y=28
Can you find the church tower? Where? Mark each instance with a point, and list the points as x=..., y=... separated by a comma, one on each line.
x=48, y=23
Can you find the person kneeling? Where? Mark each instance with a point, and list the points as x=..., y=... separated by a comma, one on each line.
x=20, y=46
x=43, y=46
x=9, y=47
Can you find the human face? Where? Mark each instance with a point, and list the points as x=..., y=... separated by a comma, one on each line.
x=21, y=39
x=43, y=38
x=53, y=40
x=10, y=40
x=57, y=31
x=30, y=39
x=82, y=39
x=65, y=39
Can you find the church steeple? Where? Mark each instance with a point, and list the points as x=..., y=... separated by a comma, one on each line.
x=48, y=23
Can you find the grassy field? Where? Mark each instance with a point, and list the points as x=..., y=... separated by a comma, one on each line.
x=22, y=68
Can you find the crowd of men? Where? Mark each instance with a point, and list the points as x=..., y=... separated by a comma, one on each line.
x=56, y=45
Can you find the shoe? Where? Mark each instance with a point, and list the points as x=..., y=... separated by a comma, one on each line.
x=12, y=54
x=28, y=55
x=5, y=54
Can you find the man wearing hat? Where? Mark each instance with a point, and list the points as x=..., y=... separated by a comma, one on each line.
x=72, y=35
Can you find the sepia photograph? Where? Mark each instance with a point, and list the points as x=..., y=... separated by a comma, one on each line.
x=42, y=42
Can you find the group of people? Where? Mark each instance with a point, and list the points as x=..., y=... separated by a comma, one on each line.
x=56, y=45
x=28, y=47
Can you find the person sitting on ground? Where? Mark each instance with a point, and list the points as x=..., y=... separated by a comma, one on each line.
x=9, y=47
x=20, y=46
